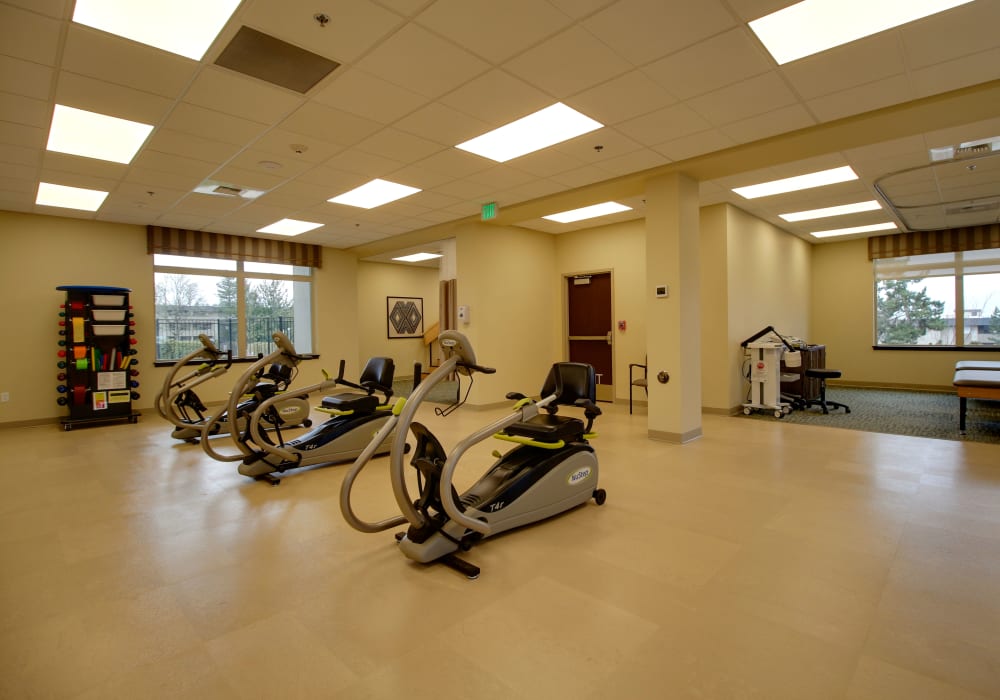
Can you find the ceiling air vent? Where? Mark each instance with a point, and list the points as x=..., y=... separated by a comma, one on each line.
x=268, y=58
x=972, y=208
x=227, y=191
x=966, y=151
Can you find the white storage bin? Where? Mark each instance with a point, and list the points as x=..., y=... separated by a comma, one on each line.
x=107, y=299
x=108, y=314
x=108, y=329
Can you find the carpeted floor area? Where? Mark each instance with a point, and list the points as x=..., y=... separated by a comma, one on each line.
x=916, y=413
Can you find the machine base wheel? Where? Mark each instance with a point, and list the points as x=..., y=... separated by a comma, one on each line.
x=600, y=496
x=747, y=411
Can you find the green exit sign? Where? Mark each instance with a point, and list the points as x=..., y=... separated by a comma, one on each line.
x=489, y=211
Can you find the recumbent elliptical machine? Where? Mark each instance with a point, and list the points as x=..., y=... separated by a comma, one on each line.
x=355, y=417
x=552, y=470
x=178, y=403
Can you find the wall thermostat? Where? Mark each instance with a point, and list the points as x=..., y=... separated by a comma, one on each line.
x=662, y=291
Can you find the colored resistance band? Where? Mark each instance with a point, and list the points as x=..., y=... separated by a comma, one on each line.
x=82, y=365
x=77, y=327
x=76, y=305
x=79, y=395
x=79, y=352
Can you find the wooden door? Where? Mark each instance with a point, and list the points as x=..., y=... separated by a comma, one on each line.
x=590, y=327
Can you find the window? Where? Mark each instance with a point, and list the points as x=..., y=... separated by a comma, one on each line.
x=237, y=304
x=940, y=299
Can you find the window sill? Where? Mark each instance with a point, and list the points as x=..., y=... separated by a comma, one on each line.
x=940, y=348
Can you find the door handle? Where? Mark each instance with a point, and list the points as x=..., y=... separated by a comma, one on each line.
x=609, y=336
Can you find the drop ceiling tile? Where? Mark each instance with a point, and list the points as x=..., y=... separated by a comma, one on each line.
x=157, y=179
x=62, y=177
x=24, y=110
x=863, y=98
x=329, y=124
x=961, y=72
x=399, y=146
x=547, y=162
x=21, y=185
x=368, y=96
x=354, y=27
x=721, y=60
x=636, y=161
x=419, y=61
x=694, y=145
x=186, y=221
x=580, y=8
x=159, y=199
x=769, y=124
x=296, y=195
x=102, y=97
x=209, y=124
x=90, y=167
x=176, y=165
x=419, y=177
x=407, y=8
x=644, y=30
x=110, y=58
x=259, y=214
x=29, y=36
x=960, y=31
x=188, y=145
x=501, y=177
x=762, y=93
x=268, y=164
x=23, y=135
x=453, y=163
x=364, y=165
x=579, y=177
x=497, y=98
x=568, y=63
x=209, y=204
x=332, y=180
x=989, y=128
x=13, y=154
x=25, y=78
x=677, y=120
x=464, y=191
x=432, y=201
x=229, y=92
x=287, y=146
x=494, y=32
x=749, y=10
x=442, y=125
x=860, y=62
x=598, y=146
x=630, y=95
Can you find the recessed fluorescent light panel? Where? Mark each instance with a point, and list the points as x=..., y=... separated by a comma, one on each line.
x=289, y=227
x=591, y=212
x=831, y=211
x=799, y=182
x=547, y=127
x=418, y=257
x=183, y=27
x=50, y=195
x=812, y=26
x=374, y=194
x=854, y=229
x=92, y=135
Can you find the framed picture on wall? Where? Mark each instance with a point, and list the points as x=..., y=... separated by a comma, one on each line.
x=405, y=317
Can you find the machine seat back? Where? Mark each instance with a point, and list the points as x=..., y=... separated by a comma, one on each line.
x=378, y=374
x=573, y=382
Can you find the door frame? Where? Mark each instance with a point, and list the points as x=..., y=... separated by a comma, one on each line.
x=564, y=287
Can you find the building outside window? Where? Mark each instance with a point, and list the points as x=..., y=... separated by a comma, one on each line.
x=938, y=299
x=238, y=304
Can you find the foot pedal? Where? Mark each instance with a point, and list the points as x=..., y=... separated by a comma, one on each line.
x=471, y=571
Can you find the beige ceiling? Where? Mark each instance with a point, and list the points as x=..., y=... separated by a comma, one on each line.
x=680, y=86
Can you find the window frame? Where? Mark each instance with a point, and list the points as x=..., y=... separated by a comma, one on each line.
x=242, y=276
x=960, y=268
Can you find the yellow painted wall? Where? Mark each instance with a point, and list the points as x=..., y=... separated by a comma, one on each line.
x=39, y=253
x=619, y=248
x=376, y=281
x=843, y=313
x=717, y=374
x=507, y=277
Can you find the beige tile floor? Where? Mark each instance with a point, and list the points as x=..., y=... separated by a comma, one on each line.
x=763, y=561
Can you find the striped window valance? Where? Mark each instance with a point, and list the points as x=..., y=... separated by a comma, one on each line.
x=923, y=242
x=202, y=244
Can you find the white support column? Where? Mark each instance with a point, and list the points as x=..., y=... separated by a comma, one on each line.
x=673, y=336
